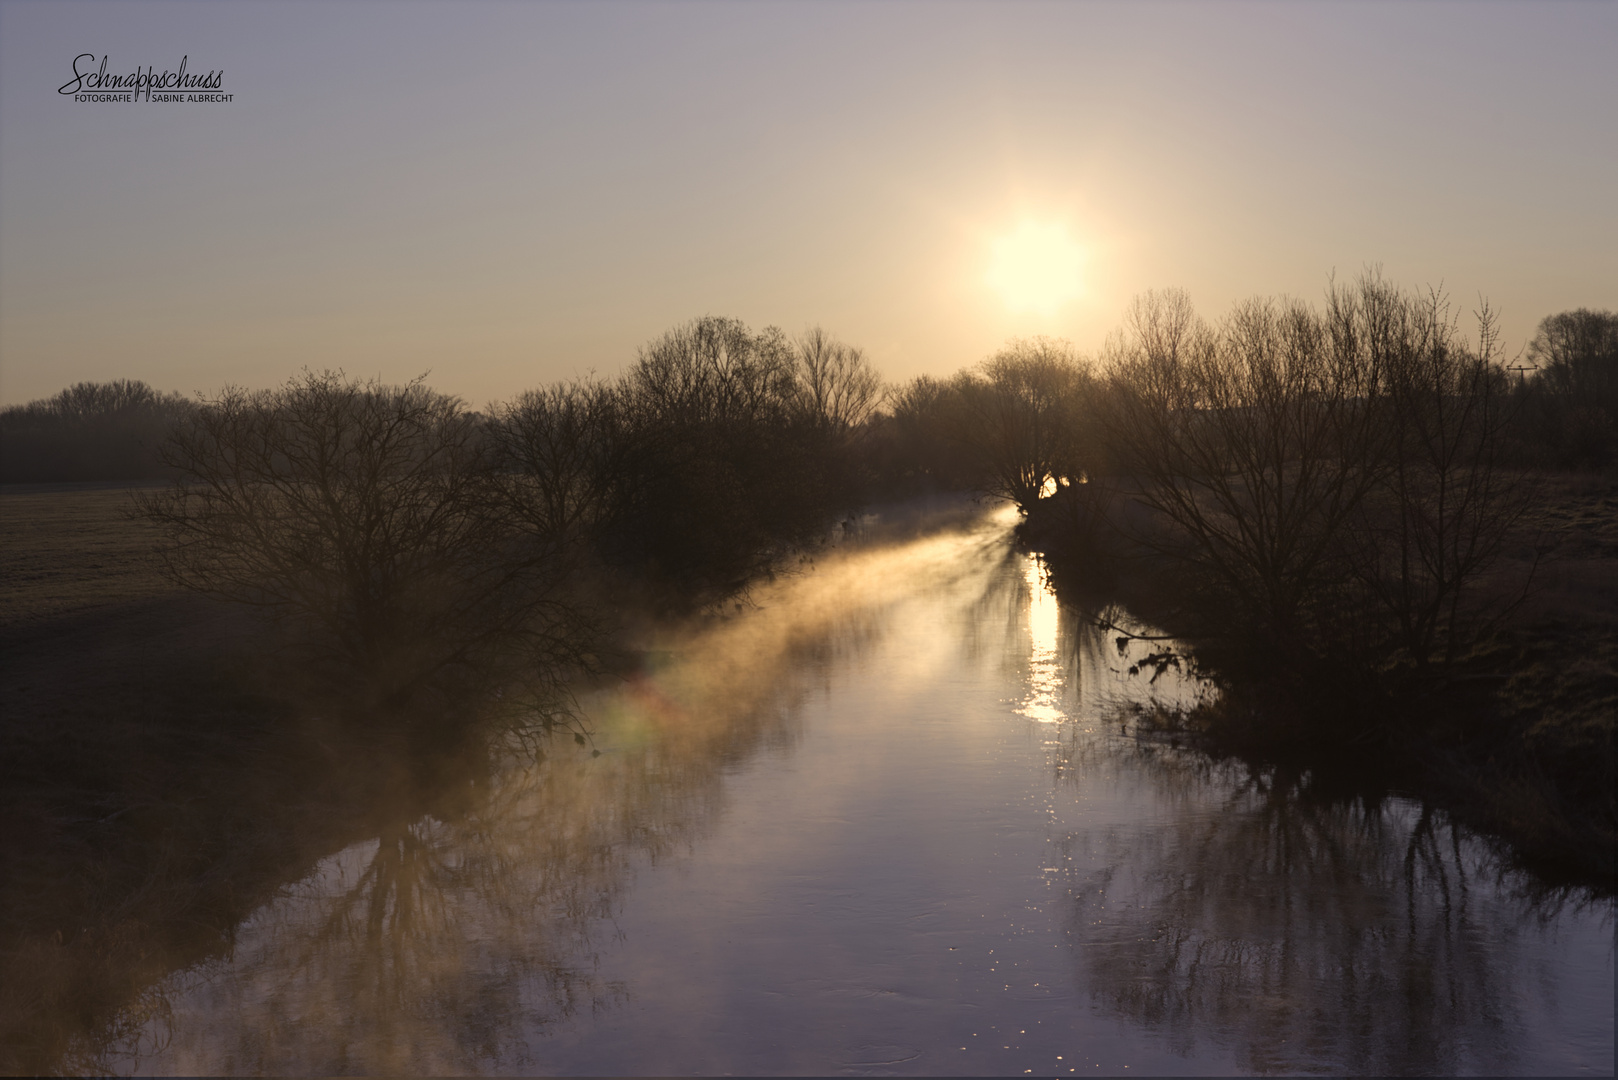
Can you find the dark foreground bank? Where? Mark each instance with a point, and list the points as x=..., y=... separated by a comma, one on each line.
x=154, y=786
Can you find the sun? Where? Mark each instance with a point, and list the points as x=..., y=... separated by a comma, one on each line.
x=1036, y=267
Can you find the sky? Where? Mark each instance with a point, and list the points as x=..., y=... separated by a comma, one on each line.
x=504, y=194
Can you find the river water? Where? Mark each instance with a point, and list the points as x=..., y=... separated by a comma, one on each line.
x=894, y=817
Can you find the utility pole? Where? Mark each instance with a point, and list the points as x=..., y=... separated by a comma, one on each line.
x=1520, y=369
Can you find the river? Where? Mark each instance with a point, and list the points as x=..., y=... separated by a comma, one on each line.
x=893, y=816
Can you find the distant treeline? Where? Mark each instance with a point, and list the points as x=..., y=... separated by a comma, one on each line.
x=91, y=431
x=1037, y=412
x=1570, y=415
x=1567, y=418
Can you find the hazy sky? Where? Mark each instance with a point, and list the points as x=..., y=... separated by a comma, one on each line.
x=510, y=193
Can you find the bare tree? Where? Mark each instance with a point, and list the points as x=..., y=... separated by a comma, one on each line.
x=566, y=458
x=714, y=370
x=1253, y=439
x=1576, y=385
x=719, y=455
x=1020, y=414
x=1444, y=505
x=836, y=386
x=1577, y=353
x=365, y=514
x=913, y=441
x=1336, y=475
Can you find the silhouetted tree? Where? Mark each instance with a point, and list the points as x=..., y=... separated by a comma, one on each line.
x=1577, y=386
x=1253, y=438
x=1577, y=354
x=1021, y=414
x=912, y=443
x=836, y=386
x=720, y=453
x=714, y=371
x=568, y=460
x=1334, y=481
x=1443, y=502
x=368, y=515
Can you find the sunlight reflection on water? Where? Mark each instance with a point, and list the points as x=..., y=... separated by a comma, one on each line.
x=1047, y=677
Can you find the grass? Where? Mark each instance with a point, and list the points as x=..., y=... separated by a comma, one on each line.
x=1531, y=758
x=68, y=549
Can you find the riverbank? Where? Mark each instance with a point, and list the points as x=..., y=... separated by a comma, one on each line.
x=156, y=783
x=888, y=799
x=160, y=779
x=885, y=817
x=1515, y=739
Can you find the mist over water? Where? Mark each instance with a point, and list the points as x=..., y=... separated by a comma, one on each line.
x=893, y=816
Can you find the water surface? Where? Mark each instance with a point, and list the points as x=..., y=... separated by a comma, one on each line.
x=894, y=817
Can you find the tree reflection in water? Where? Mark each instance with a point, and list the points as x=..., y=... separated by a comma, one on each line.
x=1300, y=930
x=1225, y=913
x=453, y=941
x=450, y=942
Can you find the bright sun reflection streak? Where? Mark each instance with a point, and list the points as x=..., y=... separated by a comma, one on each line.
x=1036, y=267
x=1046, y=677
x=730, y=668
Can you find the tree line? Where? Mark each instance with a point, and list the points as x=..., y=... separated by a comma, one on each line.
x=413, y=545
x=1328, y=499
x=90, y=431
x=1337, y=482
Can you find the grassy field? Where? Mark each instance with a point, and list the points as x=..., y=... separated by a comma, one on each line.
x=1575, y=519
x=70, y=549
x=1545, y=777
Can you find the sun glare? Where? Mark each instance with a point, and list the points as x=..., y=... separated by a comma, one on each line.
x=1036, y=267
